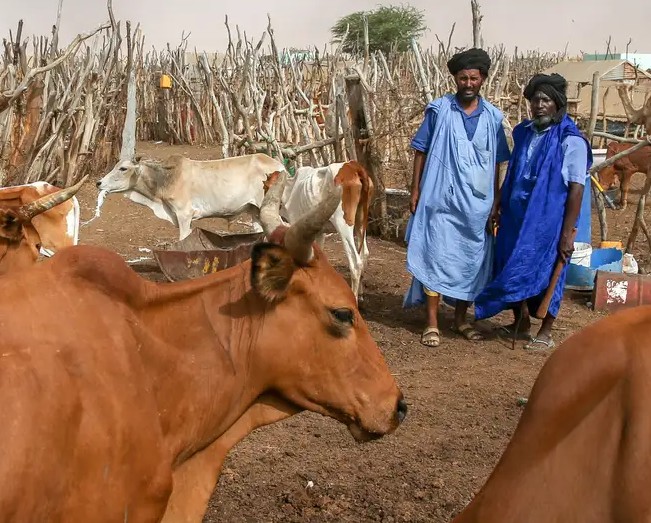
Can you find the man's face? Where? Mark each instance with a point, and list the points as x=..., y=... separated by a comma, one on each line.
x=469, y=82
x=543, y=108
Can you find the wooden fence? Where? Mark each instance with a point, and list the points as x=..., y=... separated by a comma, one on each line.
x=62, y=111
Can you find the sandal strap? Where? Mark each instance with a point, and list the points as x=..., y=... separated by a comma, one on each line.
x=469, y=332
x=431, y=330
x=549, y=343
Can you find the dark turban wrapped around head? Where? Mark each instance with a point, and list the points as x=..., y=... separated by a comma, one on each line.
x=553, y=85
x=470, y=59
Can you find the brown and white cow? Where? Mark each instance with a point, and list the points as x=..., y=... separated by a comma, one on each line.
x=350, y=219
x=118, y=391
x=582, y=449
x=36, y=217
x=625, y=168
x=180, y=190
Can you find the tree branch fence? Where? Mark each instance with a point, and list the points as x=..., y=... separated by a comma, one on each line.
x=62, y=112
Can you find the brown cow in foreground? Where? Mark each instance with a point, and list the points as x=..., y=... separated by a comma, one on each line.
x=33, y=216
x=581, y=452
x=625, y=168
x=119, y=392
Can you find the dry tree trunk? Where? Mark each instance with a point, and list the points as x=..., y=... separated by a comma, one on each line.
x=476, y=23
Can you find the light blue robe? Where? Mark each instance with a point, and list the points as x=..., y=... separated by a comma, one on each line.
x=449, y=250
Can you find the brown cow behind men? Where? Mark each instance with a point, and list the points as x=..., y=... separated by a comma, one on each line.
x=624, y=168
x=110, y=384
x=581, y=452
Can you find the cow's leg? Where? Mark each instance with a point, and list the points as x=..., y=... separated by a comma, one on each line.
x=195, y=480
x=624, y=183
x=354, y=261
x=364, y=257
x=184, y=219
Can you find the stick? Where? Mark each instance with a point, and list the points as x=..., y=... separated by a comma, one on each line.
x=594, y=105
x=603, y=193
x=544, y=305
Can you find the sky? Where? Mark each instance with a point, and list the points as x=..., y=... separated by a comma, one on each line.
x=551, y=25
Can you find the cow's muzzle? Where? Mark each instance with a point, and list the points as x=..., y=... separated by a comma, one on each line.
x=401, y=410
x=363, y=434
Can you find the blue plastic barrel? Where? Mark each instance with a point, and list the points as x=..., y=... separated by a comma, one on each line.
x=584, y=226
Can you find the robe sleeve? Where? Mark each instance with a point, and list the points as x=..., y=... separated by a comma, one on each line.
x=423, y=137
x=503, y=153
x=575, y=160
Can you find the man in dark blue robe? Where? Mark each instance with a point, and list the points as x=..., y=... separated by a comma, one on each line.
x=539, y=205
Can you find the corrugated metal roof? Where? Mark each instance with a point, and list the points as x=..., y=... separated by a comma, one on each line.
x=583, y=71
x=616, y=73
x=642, y=60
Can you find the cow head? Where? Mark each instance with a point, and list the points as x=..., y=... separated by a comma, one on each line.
x=316, y=349
x=122, y=177
x=19, y=239
x=607, y=177
x=358, y=188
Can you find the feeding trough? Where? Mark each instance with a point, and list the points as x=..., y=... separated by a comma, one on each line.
x=205, y=252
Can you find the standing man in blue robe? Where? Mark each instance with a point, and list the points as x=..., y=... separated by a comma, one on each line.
x=539, y=207
x=449, y=242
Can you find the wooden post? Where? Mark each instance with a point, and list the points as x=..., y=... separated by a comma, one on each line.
x=162, y=126
x=594, y=106
x=594, y=110
x=362, y=148
x=476, y=23
x=340, y=105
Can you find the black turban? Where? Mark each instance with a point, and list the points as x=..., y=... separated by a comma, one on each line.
x=553, y=85
x=470, y=59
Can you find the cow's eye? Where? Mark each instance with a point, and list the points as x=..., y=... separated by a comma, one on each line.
x=343, y=315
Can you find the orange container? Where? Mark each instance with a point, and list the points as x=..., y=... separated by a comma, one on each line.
x=611, y=245
x=165, y=81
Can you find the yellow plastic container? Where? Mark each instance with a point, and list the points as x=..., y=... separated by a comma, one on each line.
x=165, y=81
x=611, y=245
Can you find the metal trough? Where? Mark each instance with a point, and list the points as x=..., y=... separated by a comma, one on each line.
x=205, y=252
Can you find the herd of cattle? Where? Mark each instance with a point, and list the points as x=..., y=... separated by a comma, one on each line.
x=122, y=396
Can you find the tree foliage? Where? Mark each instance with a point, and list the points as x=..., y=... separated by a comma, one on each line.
x=389, y=28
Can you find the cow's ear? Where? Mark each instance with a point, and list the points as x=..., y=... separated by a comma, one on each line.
x=11, y=228
x=272, y=267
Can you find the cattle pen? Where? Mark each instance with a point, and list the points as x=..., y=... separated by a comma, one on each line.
x=59, y=123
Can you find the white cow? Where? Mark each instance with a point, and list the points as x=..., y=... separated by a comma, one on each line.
x=350, y=219
x=181, y=190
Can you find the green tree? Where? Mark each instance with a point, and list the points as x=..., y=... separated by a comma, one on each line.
x=389, y=28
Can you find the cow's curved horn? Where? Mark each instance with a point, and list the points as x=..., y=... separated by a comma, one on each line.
x=29, y=210
x=301, y=234
x=270, y=207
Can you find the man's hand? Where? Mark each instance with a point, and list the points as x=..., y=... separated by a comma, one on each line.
x=414, y=200
x=565, y=247
x=493, y=218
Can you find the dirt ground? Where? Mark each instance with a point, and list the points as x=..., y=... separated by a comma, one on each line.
x=462, y=396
